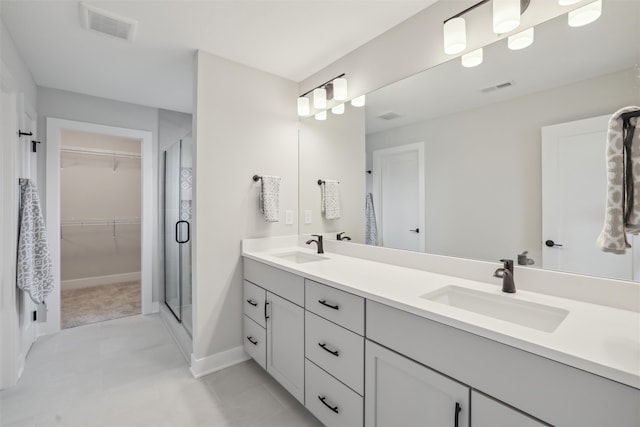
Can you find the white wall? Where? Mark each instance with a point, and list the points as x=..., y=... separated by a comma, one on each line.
x=483, y=179
x=84, y=108
x=245, y=124
x=13, y=63
x=333, y=149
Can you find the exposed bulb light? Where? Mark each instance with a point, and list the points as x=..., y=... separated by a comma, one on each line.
x=567, y=2
x=303, y=106
x=322, y=115
x=506, y=15
x=340, y=89
x=359, y=101
x=338, y=109
x=520, y=40
x=472, y=59
x=320, y=99
x=586, y=14
x=455, y=36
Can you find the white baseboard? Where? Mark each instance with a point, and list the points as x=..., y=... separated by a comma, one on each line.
x=218, y=361
x=154, y=308
x=87, y=282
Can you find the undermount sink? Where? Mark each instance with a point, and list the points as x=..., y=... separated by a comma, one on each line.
x=530, y=314
x=300, y=257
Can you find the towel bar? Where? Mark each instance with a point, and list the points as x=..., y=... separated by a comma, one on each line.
x=256, y=178
x=321, y=181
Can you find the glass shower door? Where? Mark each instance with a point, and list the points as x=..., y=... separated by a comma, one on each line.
x=177, y=231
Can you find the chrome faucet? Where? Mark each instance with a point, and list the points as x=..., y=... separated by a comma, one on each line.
x=506, y=274
x=340, y=236
x=318, y=242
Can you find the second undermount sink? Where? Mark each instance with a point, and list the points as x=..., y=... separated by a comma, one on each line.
x=530, y=314
x=300, y=257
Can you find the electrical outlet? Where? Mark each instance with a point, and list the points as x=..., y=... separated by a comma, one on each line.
x=307, y=216
x=288, y=217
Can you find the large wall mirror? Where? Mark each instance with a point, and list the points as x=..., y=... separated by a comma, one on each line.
x=454, y=157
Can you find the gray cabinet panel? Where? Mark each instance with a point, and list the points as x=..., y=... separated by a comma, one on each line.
x=488, y=412
x=280, y=282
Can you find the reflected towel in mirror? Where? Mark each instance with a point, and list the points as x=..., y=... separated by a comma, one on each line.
x=270, y=197
x=371, y=228
x=331, y=199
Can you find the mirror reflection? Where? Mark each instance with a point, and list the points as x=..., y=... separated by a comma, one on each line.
x=456, y=158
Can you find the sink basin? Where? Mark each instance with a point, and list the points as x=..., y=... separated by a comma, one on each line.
x=530, y=314
x=300, y=257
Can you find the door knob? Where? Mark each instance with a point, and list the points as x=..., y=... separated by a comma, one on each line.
x=415, y=230
x=551, y=243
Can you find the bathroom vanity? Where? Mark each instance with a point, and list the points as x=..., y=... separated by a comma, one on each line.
x=360, y=342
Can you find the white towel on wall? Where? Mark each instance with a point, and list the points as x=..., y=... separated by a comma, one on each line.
x=371, y=227
x=270, y=197
x=613, y=236
x=34, y=268
x=331, y=199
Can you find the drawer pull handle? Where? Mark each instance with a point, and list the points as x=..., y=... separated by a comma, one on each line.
x=333, y=408
x=325, y=303
x=252, y=341
x=457, y=412
x=252, y=302
x=266, y=316
x=324, y=347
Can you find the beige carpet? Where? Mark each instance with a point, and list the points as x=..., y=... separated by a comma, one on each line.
x=99, y=303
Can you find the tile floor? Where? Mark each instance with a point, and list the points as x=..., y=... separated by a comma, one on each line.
x=129, y=372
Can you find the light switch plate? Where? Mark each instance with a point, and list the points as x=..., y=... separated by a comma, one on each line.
x=288, y=217
x=307, y=216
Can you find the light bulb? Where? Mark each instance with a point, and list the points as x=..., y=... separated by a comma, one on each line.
x=338, y=109
x=472, y=59
x=359, y=101
x=303, y=106
x=521, y=40
x=506, y=15
x=455, y=36
x=340, y=89
x=322, y=115
x=320, y=98
x=586, y=14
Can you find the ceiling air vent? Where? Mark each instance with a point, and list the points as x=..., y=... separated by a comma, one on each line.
x=496, y=87
x=389, y=116
x=106, y=22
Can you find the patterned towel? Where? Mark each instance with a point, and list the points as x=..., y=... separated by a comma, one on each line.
x=270, y=198
x=331, y=199
x=34, y=269
x=622, y=214
x=371, y=227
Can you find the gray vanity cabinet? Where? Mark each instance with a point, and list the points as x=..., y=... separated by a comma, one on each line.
x=401, y=392
x=488, y=412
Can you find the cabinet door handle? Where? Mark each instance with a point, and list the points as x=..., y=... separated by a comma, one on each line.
x=456, y=420
x=333, y=408
x=266, y=316
x=325, y=303
x=252, y=341
x=324, y=347
x=252, y=302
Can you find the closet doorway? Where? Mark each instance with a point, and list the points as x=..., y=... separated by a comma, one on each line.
x=100, y=223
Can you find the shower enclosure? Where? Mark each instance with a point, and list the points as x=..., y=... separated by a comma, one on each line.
x=178, y=196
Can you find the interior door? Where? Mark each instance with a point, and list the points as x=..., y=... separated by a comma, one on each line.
x=398, y=191
x=573, y=200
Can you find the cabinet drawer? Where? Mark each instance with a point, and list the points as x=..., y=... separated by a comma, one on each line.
x=341, y=353
x=340, y=307
x=287, y=285
x=333, y=403
x=253, y=302
x=255, y=341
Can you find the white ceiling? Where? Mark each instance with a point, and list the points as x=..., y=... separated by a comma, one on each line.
x=560, y=55
x=292, y=39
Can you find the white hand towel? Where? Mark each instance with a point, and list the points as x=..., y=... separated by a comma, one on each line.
x=270, y=198
x=331, y=199
x=34, y=267
x=613, y=236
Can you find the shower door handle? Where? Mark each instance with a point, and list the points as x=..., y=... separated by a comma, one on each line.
x=179, y=240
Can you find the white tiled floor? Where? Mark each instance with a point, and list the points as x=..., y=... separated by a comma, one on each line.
x=129, y=372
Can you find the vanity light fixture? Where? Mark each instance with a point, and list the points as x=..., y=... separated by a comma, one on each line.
x=322, y=115
x=520, y=40
x=359, y=101
x=472, y=59
x=455, y=35
x=340, y=89
x=319, y=98
x=506, y=15
x=338, y=109
x=303, y=106
x=586, y=14
x=336, y=88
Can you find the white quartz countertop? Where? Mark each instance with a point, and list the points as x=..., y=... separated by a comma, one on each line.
x=599, y=339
